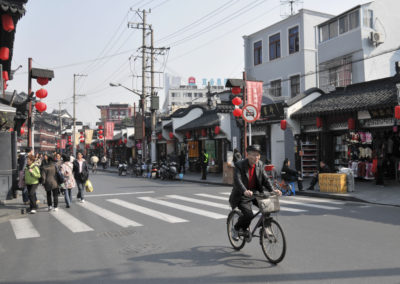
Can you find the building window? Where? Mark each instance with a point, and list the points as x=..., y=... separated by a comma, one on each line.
x=258, y=52
x=333, y=29
x=354, y=20
x=293, y=40
x=294, y=86
x=369, y=18
x=336, y=73
x=174, y=95
x=275, y=47
x=188, y=95
x=343, y=24
x=275, y=89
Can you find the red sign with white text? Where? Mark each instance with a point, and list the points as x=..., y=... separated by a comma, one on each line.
x=109, y=130
x=63, y=143
x=254, y=92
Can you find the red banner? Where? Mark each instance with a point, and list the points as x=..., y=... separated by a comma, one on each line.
x=63, y=143
x=254, y=94
x=109, y=130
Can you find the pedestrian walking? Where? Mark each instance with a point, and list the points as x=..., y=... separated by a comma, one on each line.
x=204, y=164
x=32, y=175
x=182, y=162
x=236, y=156
x=49, y=176
x=69, y=180
x=81, y=175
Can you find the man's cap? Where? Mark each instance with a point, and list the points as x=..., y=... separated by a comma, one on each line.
x=253, y=148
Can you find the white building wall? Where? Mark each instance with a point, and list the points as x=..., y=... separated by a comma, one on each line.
x=277, y=146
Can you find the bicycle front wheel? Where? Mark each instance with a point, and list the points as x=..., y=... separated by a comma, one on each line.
x=231, y=221
x=273, y=242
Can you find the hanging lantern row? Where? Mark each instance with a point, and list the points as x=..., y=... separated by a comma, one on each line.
x=100, y=126
x=397, y=112
x=237, y=101
x=42, y=81
x=217, y=130
x=171, y=135
x=4, y=53
x=22, y=131
x=319, y=122
x=41, y=93
x=7, y=22
x=237, y=112
x=283, y=124
x=236, y=90
x=351, y=124
x=40, y=106
x=100, y=132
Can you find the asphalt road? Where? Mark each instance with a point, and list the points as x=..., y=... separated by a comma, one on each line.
x=123, y=235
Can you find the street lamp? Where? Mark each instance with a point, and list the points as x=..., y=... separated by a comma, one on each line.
x=143, y=116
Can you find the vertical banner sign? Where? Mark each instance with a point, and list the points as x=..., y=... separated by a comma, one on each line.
x=109, y=130
x=254, y=94
x=63, y=143
x=88, y=136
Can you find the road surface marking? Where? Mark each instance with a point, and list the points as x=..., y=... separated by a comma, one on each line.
x=23, y=229
x=283, y=208
x=226, y=193
x=212, y=196
x=198, y=201
x=69, y=221
x=285, y=201
x=116, y=194
x=318, y=200
x=110, y=216
x=147, y=211
x=184, y=208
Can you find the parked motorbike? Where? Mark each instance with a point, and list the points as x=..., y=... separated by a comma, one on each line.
x=168, y=170
x=155, y=170
x=122, y=169
x=137, y=169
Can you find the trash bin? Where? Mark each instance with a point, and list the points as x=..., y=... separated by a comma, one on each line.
x=350, y=178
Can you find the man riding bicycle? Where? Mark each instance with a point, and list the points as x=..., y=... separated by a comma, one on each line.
x=250, y=179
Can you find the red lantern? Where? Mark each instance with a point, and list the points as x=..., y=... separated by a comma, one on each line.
x=8, y=23
x=101, y=144
x=217, y=130
x=159, y=136
x=171, y=135
x=204, y=132
x=188, y=135
x=100, y=126
x=283, y=124
x=319, y=122
x=22, y=131
x=41, y=93
x=237, y=101
x=236, y=90
x=40, y=106
x=100, y=136
x=237, y=112
x=42, y=81
x=397, y=112
x=11, y=129
x=5, y=76
x=351, y=124
x=69, y=143
x=100, y=131
x=4, y=53
x=125, y=140
x=81, y=141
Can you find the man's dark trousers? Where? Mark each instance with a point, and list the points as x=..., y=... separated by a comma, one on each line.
x=245, y=206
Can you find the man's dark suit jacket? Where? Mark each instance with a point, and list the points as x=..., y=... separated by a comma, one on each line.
x=241, y=181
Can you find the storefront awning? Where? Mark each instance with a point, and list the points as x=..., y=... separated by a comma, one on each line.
x=208, y=119
x=363, y=96
x=6, y=108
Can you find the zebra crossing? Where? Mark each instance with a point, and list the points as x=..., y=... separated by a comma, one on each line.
x=214, y=206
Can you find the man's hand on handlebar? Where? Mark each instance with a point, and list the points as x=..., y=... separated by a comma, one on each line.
x=277, y=192
x=248, y=193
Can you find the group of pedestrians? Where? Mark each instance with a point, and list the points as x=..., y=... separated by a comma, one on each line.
x=58, y=174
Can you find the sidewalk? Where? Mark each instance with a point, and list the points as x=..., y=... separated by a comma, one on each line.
x=365, y=191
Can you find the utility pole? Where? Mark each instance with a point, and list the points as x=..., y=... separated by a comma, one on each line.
x=144, y=144
x=74, y=114
x=30, y=116
x=153, y=94
x=59, y=115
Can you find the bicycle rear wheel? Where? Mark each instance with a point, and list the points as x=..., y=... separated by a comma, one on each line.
x=231, y=221
x=273, y=242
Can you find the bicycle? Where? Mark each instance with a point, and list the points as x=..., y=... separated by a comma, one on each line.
x=272, y=238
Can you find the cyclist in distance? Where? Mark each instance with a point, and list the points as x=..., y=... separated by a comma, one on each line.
x=250, y=179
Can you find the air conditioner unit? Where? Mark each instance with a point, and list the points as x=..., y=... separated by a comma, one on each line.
x=376, y=38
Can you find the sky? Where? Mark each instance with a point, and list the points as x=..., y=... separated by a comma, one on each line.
x=92, y=38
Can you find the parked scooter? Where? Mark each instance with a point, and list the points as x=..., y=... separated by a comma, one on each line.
x=122, y=169
x=137, y=169
x=168, y=171
x=155, y=170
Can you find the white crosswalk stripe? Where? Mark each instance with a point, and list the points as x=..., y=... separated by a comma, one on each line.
x=318, y=200
x=23, y=229
x=184, y=208
x=198, y=201
x=69, y=221
x=153, y=213
x=285, y=201
x=110, y=216
x=283, y=208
